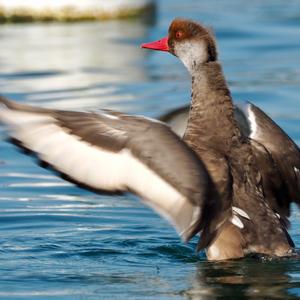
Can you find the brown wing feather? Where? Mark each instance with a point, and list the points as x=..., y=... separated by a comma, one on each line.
x=279, y=160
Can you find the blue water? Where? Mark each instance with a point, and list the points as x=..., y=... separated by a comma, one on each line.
x=59, y=241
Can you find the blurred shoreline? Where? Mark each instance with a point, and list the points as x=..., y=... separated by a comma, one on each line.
x=16, y=11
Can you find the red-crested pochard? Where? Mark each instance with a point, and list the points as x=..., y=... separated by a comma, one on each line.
x=232, y=184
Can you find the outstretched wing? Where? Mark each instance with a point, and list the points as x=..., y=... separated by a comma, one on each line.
x=278, y=157
x=112, y=152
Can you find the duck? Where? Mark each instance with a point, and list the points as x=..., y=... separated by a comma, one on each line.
x=229, y=179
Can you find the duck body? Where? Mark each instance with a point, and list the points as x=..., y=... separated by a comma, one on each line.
x=228, y=182
x=246, y=167
x=213, y=133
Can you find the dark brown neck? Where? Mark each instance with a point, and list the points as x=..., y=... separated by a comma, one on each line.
x=211, y=121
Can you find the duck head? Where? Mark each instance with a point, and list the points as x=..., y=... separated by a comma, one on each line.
x=191, y=42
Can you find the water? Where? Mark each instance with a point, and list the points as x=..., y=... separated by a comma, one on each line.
x=58, y=241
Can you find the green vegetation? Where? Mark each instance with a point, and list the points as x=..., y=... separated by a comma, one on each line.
x=70, y=14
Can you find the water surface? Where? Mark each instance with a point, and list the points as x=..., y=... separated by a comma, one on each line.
x=58, y=241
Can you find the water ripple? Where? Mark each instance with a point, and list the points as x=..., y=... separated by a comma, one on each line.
x=58, y=241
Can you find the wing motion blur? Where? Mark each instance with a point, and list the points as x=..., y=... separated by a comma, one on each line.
x=113, y=152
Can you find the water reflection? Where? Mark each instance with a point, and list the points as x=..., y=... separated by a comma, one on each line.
x=247, y=278
x=85, y=63
x=58, y=240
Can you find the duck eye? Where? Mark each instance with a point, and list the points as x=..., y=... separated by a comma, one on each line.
x=179, y=34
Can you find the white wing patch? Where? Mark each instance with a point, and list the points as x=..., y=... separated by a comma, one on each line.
x=109, y=116
x=253, y=124
x=99, y=168
x=235, y=220
x=239, y=211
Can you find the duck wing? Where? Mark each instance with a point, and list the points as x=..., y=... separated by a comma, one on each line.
x=277, y=155
x=113, y=152
x=177, y=119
